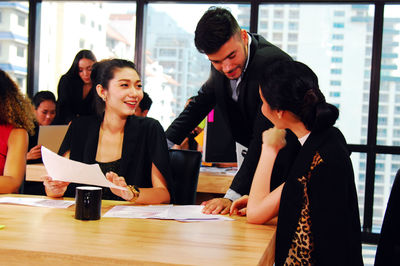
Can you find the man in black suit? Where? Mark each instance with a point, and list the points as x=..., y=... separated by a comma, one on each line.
x=235, y=56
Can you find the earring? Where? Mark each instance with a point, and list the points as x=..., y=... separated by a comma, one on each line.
x=104, y=98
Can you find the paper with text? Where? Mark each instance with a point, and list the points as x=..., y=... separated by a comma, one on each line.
x=38, y=202
x=185, y=213
x=63, y=169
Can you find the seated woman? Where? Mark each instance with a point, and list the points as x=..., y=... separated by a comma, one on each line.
x=16, y=119
x=45, y=111
x=317, y=209
x=132, y=151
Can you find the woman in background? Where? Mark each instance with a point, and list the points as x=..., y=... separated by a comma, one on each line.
x=318, y=217
x=16, y=119
x=45, y=111
x=75, y=97
x=131, y=151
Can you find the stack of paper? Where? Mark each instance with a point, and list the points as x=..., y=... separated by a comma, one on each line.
x=186, y=213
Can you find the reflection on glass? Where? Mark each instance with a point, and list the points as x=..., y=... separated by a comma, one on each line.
x=106, y=28
x=14, y=40
x=174, y=70
x=335, y=41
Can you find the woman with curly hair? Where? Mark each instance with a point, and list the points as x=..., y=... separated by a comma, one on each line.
x=16, y=120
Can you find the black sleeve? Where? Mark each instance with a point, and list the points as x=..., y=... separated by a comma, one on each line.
x=244, y=177
x=193, y=114
x=334, y=210
x=65, y=101
x=158, y=151
x=66, y=143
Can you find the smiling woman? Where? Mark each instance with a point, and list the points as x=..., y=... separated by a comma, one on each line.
x=105, y=138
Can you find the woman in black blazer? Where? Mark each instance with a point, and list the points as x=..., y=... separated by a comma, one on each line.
x=75, y=94
x=131, y=151
x=317, y=209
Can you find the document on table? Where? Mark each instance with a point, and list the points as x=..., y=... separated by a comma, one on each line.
x=49, y=203
x=185, y=213
x=63, y=169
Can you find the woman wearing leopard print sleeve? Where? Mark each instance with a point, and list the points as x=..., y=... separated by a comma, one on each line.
x=318, y=216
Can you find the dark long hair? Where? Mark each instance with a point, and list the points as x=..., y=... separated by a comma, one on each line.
x=214, y=29
x=102, y=73
x=293, y=86
x=74, y=69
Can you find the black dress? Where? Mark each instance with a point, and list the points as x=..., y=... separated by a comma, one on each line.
x=144, y=143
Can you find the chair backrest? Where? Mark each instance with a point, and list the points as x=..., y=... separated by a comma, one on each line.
x=388, y=250
x=185, y=167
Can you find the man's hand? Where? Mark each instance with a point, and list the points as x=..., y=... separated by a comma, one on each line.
x=217, y=206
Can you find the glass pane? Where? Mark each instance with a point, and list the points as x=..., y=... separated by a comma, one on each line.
x=174, y=69
x=66, y=27
x=389, y=91
x=337, y=49
x=385, y=172
x=359, y=166
x=14, y=40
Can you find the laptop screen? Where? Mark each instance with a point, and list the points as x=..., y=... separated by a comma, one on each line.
x=52, y=136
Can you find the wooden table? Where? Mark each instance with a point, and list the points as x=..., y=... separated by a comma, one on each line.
x=46, y=236
x=209, y=182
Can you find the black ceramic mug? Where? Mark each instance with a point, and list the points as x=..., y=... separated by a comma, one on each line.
x=88, y=203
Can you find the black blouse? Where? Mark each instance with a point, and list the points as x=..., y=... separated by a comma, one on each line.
x=144, y=143
x=70, y=103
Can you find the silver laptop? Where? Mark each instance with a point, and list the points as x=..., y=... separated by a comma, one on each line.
x=52, y=136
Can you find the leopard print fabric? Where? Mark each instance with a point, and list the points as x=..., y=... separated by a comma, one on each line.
x=300, y=252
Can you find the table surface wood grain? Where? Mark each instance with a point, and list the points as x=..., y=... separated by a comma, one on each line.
x=44, y=236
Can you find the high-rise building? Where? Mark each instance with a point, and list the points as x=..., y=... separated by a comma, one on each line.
x=14, y=41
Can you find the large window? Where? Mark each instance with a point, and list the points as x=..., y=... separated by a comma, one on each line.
x=174, y=70
x=106, y=28
x=335, y=50
x=14, y=40
x=389, y=95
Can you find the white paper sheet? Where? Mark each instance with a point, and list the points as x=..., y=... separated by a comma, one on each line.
x=185, y=213
x=49, y=203
x=63, y=169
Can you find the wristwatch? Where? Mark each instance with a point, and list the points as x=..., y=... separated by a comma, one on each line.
x=135, y=191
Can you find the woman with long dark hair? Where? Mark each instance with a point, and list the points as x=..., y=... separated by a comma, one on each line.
x=131, y=151
x=75, y=96
x=317, y=209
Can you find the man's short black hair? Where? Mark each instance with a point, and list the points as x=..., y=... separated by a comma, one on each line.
x=214, y=29
x=145, y=103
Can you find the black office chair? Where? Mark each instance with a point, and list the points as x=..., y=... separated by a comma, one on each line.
x=185, y=167
x=388, y=251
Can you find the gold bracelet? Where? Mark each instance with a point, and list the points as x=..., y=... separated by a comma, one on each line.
x=135, y=191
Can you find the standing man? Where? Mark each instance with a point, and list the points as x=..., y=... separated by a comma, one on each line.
x=236, y=57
